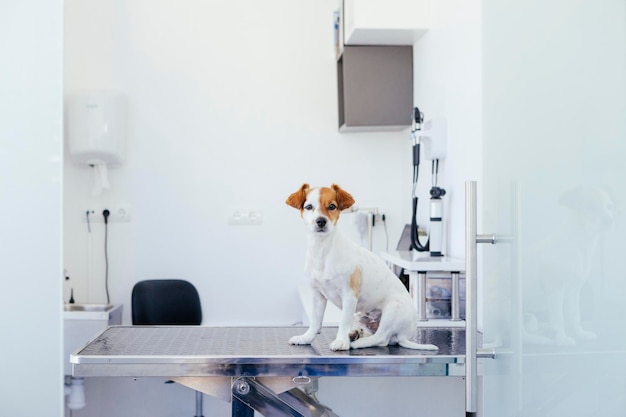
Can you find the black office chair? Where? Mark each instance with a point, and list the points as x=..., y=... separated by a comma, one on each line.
x=167, y=302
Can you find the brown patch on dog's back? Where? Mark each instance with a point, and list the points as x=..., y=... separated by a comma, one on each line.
x=355, y=281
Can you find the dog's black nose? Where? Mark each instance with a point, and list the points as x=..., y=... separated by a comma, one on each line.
x=321, y=222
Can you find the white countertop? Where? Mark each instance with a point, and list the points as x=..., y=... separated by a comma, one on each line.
x=415, y=261
x=94, y=314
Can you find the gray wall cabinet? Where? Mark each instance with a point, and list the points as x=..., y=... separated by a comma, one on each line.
x=375, y=86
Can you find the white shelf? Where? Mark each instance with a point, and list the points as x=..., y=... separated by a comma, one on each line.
x=414, y=261
x=375, y=36
x=392, y=22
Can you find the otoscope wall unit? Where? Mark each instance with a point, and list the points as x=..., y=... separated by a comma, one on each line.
x=433, y=135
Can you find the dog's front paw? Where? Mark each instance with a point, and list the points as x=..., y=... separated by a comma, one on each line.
x=584, y=335
x=303, y=339
x=562, y=339
x=340, y=344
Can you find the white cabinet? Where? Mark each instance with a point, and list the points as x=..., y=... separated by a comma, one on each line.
x=389, y=22
x=375, y=62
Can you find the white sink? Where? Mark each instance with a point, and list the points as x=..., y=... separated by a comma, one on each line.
x=82, y=322
x=88, y=307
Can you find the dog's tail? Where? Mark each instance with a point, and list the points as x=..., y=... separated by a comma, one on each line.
x=377, y=339
x=406, y=343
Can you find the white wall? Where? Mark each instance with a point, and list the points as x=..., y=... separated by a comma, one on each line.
x=30, y=200
x=230, y=107
x=448, y=84
x=234, y=106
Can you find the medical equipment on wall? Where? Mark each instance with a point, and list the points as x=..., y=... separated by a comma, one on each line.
x=96, y=132
x=365, y=220
x=433, y=135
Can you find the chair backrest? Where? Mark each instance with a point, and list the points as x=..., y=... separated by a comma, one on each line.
x=166, y=302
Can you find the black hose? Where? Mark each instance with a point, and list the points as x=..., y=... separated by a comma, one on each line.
x=415, y=241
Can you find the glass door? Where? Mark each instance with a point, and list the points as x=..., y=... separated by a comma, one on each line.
x=554, y=294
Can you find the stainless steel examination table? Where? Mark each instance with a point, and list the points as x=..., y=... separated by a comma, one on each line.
x=254, y=367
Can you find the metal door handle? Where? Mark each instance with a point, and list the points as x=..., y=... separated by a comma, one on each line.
x=472, y=238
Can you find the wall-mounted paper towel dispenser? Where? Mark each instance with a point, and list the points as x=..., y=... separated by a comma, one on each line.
x=96, y=132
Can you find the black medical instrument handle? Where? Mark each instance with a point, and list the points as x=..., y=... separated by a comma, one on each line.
x=418, y=118
x=417, y=115
x=416, y=155
x=415, y=241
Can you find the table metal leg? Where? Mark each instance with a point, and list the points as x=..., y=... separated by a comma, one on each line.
x=249, y=395
x=421, y=296
x=240, y=409
x=455, y=297
x=305, y=405
x=199, y=407
x=260, y=398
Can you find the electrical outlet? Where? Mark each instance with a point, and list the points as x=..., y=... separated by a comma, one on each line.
x=246, y=218
x=117, y=214
x=121, y=213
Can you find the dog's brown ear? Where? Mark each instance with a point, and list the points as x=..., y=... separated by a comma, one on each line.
x=344, y=199
x=297, y=199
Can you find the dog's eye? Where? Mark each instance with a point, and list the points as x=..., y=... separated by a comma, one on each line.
x=308, y=207
x=332, y=207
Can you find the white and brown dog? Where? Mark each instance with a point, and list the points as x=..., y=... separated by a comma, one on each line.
x=352, y=278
